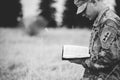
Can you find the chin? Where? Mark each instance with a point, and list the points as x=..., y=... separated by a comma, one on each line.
x=90, y=19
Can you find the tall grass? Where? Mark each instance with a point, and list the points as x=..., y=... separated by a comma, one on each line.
x=23, y=57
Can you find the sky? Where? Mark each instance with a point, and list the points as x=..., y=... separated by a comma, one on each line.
x=30, y=7
x=60, y=7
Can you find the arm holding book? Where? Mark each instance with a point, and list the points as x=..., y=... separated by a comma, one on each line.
x=108, y=54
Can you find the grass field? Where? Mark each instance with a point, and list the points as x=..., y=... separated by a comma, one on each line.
x=24, y=57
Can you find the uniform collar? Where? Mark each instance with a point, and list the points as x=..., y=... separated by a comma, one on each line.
x=100, y=15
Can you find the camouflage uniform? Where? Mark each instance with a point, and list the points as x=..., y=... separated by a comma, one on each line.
x=104, y=48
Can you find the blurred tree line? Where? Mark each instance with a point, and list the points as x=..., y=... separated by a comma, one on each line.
x=48, y=12
x=10, y=10
x=117, y=8
x=70, y=19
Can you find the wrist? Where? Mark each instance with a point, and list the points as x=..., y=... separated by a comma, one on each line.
x=85, y=63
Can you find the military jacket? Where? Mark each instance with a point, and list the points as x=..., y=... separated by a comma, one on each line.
x=104, y=45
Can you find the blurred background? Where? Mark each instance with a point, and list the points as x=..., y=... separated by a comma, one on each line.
x=54, y=13
x=32, y=35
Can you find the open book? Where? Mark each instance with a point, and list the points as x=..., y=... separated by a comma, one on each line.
x=74, y=51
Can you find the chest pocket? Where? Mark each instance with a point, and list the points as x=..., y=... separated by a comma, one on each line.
x=107, y=36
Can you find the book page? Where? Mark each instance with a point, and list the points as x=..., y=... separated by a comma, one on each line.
x=74, y=51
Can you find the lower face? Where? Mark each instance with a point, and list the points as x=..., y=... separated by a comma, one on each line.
x=90, y=11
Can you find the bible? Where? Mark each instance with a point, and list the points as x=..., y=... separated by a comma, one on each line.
x=74, y=52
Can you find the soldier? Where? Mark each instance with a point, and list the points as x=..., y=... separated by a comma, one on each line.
x=104, y=48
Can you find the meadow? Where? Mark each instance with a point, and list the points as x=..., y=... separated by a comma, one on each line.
x=24, y=57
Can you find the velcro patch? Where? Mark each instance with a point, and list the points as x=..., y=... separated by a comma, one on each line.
x=106, y=35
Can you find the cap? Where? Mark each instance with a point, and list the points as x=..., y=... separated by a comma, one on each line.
x=81, y=4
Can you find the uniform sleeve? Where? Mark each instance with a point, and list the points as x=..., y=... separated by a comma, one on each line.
x=109, y=53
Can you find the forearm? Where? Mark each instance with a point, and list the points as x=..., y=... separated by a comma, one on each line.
x=105, y=59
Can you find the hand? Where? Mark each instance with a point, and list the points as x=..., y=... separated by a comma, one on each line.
x=77, y=61
x=92, y=65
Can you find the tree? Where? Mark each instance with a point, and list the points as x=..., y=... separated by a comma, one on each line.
x=10, y=10
x=48, y=12
x=69, y=18
x=117, y=8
